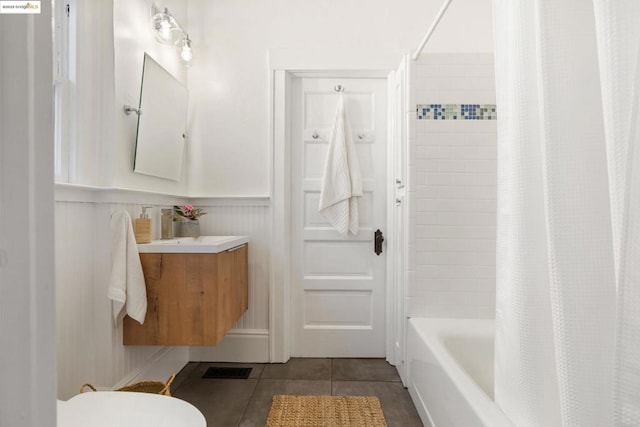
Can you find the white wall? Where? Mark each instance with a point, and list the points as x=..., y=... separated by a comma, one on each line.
x=452, y=193
x=230, y=106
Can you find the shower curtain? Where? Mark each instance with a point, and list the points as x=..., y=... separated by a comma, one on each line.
x=568, y=251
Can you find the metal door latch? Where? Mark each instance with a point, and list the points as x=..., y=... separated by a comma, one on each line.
x=378, y=238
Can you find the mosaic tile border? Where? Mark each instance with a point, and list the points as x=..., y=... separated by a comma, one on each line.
x=456, y=112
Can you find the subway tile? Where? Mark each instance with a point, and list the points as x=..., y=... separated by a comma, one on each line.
x=486, y=312
x=456, y=258
x=417, y=306
x=460, y=152
x=412, y=258
x=486, y=84
x=488, y=192
x=456, y=178
x=433, y=152
x=447, y=70
x=456, y=245
x=455, y=272
x=469, y=284
x=455, y=232
x=464, y=311
x=453, y=298
x=455, y=205
x=456, y=218
x=413, y=176
x=480, y=299
x=457, y=165
x=445, y=83
x=412, y=236
x=453, y=187
x=462, y=138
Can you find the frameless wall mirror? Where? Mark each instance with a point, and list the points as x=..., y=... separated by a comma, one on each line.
x=161, y=123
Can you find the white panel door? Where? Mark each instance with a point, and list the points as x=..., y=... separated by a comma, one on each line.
x=338, y=282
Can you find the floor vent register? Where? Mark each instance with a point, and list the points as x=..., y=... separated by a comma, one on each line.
x=228, y=373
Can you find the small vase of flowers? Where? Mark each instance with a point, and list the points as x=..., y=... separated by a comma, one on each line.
x=187, y=218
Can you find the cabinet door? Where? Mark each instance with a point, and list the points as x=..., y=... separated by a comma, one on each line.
x=181, y=295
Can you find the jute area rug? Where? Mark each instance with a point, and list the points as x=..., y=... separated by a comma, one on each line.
x=325, y=411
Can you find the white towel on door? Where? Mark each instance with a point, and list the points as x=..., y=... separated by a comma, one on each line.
x=126, y=287
x=342, y=181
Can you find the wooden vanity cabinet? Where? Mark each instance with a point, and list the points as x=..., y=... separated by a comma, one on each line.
x=192, y=298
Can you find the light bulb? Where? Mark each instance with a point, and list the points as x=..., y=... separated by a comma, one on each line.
x=186, y=54
x=165, y=27
x=165, y=30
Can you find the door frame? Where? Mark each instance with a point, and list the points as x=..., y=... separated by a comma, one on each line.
x=284, y=66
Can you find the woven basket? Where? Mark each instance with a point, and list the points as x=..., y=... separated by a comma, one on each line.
x=153, y=387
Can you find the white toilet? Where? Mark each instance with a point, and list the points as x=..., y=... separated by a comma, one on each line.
x=124, y=409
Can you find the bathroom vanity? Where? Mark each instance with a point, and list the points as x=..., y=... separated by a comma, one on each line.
x=197, y=289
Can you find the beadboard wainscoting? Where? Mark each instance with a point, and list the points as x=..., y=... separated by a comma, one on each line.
x=452, y=191
x=89, y=349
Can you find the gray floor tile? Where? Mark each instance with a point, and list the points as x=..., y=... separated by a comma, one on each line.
x=183, y=375
x=363, y=370
x=258, y=408
x=299, y=369
x=221, y=401
x=395, y=400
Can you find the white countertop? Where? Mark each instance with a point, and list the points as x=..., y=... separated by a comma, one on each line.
x=202, y=244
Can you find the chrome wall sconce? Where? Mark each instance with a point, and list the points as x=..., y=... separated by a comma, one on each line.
x=168, y=31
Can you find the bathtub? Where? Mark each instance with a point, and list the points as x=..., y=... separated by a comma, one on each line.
x=450, y=372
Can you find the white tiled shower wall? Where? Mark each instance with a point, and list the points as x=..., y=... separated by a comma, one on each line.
x=452, y=191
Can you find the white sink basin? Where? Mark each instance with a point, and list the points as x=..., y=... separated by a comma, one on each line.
x=202, y=244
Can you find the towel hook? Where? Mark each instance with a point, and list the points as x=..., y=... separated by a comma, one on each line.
x=128, y=109
x=315, y=134
x=338, y=88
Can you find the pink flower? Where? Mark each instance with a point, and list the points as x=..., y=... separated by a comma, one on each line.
x=188, y=208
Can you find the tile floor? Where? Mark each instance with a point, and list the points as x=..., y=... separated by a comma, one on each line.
x=234, y=402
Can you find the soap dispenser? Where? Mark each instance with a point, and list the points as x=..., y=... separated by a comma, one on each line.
x=142, y=226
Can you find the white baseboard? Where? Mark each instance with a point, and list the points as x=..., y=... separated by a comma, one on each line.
x=167, y=361
x=240, y=345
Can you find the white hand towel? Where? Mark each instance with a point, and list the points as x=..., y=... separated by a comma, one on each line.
x=126, y=286
x=342, y=181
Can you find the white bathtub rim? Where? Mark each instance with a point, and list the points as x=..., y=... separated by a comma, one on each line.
x=432, y=331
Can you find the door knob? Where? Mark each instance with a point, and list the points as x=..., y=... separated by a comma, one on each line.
x=378, y=238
